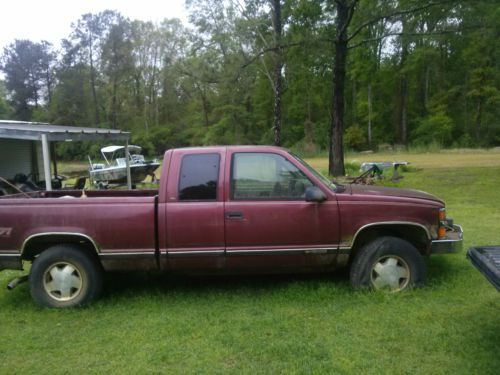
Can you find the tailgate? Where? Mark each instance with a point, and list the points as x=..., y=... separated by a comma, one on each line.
x=487, y=261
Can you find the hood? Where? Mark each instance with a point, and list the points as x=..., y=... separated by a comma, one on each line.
x=392, y=192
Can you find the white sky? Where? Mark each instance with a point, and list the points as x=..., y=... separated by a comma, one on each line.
x=51, y=19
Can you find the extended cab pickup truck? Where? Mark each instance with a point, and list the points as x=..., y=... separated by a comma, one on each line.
x=227, y=209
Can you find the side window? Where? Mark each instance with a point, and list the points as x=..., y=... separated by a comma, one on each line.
x=266, y=176
x=198, y=177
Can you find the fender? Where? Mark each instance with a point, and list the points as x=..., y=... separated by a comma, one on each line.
x=389, y=223
x=59, y=234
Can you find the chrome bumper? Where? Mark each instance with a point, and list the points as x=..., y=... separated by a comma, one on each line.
x=451, y=244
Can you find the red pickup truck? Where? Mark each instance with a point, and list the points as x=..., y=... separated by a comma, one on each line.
x=227, y=209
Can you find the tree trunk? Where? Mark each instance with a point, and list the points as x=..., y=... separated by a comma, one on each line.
x=48, y=79
x=404, y=111
x=309, y=146
x=113, y=104
x=152, y=114
x=336, y=154
x=402, y=119
x=353, y=106
x=92, y=84
x=479, y=116
x=426, y=92
x=277, y=105
x=278, y=66
x=370, y=115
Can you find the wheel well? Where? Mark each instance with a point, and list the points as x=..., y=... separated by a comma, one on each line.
x=36, y=245
x=414, y=234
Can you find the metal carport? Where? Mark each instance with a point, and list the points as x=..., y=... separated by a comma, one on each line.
x=46, y=133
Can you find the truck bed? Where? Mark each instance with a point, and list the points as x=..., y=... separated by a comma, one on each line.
x=116, y=220
x=487, y=261
x=88, y=194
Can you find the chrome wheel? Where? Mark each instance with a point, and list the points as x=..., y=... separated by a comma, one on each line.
x=390, y=272
x=62, y=281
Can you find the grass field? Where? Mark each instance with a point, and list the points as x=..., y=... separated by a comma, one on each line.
x=284, y=324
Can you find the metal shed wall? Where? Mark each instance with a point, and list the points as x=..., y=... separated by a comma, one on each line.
x=16, y=156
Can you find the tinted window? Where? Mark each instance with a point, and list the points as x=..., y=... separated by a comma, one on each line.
x=198, y=178
x=266, y=176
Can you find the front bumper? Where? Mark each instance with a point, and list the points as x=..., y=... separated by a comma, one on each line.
x=451, y=244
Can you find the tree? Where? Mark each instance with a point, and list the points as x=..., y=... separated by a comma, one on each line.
x=28, y=75
x=5, y=110
x=267, y=27
x=118, y=63
x=307, y=69
x=345, y=33
x=306, y=74
x=345, y=11
x=85, y=45
x=482, y=87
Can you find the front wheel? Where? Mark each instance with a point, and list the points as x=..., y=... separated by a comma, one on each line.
x=388, y=263
x=65, y=276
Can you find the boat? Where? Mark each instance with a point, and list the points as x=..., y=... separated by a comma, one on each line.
x=114, y=168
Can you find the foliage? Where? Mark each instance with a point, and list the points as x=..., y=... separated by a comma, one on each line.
x=435, y=127
x=5, y=109
x=28, y=71
x=415, y=72
x=354, y=138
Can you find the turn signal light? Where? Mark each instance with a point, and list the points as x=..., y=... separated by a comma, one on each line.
x=442, y=232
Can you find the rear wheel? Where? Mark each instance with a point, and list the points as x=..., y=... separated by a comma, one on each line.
x=388, y=263
x=65, y=276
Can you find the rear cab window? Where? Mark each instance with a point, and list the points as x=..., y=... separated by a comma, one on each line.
x=198, y=177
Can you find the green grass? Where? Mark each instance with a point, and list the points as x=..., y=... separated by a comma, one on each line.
x=283, y=324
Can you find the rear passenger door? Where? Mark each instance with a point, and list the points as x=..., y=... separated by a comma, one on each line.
x=195, y=210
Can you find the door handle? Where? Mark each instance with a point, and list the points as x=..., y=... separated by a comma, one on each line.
x=234, y=215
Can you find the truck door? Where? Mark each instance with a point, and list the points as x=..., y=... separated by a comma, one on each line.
x=195, y=210
x=268, y=221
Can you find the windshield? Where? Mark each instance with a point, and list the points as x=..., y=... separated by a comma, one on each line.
x=318, y=175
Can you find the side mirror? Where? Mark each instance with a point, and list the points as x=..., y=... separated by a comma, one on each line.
x=314, y=194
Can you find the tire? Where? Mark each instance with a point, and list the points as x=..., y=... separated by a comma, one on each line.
x=65, y=276
x=388, y=263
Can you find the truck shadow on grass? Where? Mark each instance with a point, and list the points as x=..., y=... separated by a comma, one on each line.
x=442, y=272
x=121, y=284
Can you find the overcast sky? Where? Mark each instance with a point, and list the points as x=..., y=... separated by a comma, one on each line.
x=51, y=19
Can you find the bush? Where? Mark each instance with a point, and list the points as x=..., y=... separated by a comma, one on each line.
x=354, y=138
x=435, y=128
x=145, y=141
x=352, y=168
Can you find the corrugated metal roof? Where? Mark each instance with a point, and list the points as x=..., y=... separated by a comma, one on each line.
x=34, y=130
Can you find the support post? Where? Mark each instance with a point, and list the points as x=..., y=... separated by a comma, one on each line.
x=54, y=158
x=46, y=162
x=127, y=161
